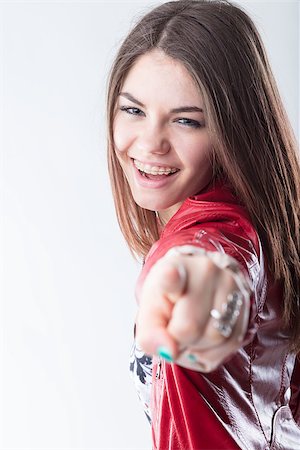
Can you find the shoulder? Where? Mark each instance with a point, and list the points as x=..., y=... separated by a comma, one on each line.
x=215, y=214
x=214, y=220
x=216, y=205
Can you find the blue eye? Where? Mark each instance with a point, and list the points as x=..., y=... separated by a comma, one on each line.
x=132, y=110
x=190, y=123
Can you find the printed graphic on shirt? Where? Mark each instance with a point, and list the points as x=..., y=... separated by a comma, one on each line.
x=141, y=370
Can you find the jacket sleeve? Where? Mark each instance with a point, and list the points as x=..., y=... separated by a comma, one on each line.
x=228, y=238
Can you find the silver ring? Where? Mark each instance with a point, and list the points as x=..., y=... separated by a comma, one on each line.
x=224, y=321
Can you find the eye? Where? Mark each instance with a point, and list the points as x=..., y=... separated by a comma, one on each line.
x=132, y=110
x=190, y=123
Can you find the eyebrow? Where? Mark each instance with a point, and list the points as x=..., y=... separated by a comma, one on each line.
x=174, y=110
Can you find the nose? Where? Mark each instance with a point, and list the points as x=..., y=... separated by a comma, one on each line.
x=153, y=139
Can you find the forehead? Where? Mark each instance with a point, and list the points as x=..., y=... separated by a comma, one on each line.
x=158, y=73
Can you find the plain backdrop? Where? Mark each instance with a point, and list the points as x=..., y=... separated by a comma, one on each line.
x=67, y=277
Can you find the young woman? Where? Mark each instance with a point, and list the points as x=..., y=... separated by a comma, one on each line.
x=206, y=182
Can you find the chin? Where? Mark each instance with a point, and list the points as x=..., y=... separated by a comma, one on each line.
x=152, y=205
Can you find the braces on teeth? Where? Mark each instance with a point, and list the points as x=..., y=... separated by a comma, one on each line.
x=156, y=173
x=144, y=170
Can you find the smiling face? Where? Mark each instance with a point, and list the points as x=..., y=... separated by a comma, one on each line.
x=159, y=133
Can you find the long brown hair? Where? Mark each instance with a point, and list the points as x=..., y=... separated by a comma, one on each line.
x=254, y=145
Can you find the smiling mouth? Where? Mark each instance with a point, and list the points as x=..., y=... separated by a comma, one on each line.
x=147, y=171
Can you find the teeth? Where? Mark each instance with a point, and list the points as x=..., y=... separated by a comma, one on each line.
x=153, y=170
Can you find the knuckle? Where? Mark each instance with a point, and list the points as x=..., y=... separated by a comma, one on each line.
x=142, y=341
x=211, y=267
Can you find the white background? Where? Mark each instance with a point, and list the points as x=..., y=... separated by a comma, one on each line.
x=67, y=277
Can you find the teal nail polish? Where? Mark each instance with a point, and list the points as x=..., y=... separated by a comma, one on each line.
x=191, y=357
x=163, y=352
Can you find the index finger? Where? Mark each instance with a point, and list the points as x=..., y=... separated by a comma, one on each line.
x=161, y=288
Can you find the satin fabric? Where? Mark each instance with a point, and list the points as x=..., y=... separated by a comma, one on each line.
x=250, y=401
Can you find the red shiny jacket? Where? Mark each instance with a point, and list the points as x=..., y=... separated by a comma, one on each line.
x=251, y=401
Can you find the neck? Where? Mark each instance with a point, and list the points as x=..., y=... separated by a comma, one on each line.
x=165, y=215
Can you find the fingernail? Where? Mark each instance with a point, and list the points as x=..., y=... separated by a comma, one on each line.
x=163, y=352
x=191, y=357
x=200, y=366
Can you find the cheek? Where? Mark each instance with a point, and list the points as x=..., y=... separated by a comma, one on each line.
x=122, y=135
x=198, y=154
